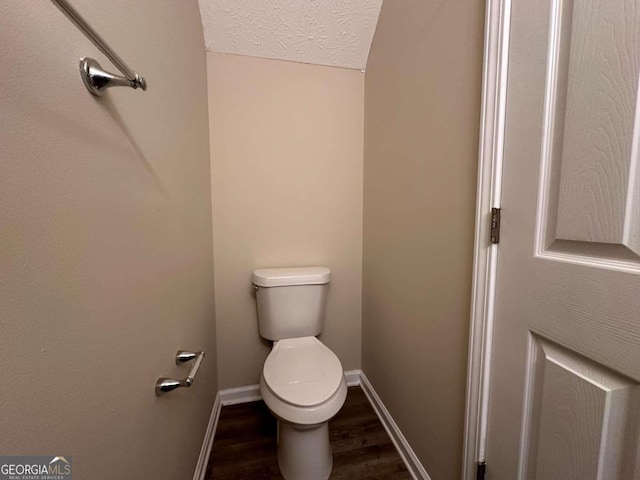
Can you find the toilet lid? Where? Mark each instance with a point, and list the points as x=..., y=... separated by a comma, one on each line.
x=302, y=371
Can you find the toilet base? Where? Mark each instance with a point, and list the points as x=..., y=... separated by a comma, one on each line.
x=304, y=451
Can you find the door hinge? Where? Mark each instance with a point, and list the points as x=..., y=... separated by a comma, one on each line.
x=495, y=225
x=480, y=470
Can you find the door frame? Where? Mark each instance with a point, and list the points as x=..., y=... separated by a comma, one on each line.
x=485, y=257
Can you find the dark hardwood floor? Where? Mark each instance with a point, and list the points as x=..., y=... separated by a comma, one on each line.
x=244, y=446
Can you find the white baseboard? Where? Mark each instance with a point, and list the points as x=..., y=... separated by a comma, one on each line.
x=407, y=454
x=251, y=393
x=353, y=377
x=205, y=451
x=233, y=396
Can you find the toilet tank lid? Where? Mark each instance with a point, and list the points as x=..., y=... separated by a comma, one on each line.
x=281, y=277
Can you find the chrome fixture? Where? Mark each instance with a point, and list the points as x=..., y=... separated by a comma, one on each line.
x=94, y=77
x=164, y=385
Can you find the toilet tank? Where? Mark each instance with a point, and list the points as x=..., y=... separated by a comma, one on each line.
x=291, y=301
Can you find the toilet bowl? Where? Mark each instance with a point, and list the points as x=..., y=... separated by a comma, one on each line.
x=303, y=385
x=302, y=381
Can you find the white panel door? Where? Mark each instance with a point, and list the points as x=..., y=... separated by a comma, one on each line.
x=564, y=399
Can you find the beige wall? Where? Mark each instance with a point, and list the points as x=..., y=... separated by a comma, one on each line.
x=106, y=262
x=422, y=104
x=286, y=149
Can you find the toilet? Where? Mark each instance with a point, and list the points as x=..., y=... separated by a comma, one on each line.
x=302, y=380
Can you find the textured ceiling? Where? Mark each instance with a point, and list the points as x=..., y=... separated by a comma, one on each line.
x=325, y=32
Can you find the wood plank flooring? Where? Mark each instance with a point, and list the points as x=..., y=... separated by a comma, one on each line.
x=244, y=446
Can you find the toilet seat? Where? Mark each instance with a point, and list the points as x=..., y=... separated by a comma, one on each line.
x=302, y=372
x=302, y=381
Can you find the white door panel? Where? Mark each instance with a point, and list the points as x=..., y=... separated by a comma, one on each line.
x=564, y=400
x=596, y=58
x=579, y=418
x=589, y=140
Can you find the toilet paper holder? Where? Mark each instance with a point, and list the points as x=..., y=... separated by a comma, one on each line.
x=164, y=385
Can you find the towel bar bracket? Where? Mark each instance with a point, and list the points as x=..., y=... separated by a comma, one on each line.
x=98, y=80
x=94, y=77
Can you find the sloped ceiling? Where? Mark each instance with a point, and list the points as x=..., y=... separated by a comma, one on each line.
x=324, y=32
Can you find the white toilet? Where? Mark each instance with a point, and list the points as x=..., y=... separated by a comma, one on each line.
x=302, y=380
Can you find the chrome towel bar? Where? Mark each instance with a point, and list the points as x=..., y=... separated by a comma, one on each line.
x=164, y=385
x=94, y=77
